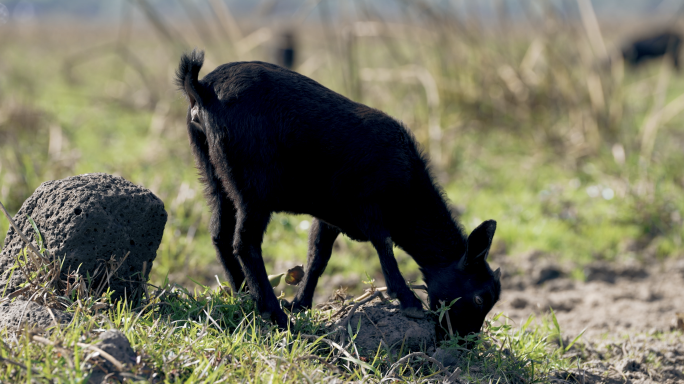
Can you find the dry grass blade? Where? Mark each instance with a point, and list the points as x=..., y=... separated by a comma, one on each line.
x=321, y=360
x=65, y=352
x=159, y=25
x=415, y=354
x=592, y=28
x=110, y=272
x=226, y=19
x=204, y=333
x=330, y=343
x=33, y=249
x=649, y=130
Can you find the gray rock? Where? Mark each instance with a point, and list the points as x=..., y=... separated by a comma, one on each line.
x=30, y=315
x=88, y=219
x=115, y=343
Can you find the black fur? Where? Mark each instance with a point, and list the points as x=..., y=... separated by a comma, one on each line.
x=267, y=139
x=651, y=47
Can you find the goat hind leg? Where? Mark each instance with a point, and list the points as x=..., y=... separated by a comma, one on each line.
x=249, y=233
x=321, y=239
x=222, y=229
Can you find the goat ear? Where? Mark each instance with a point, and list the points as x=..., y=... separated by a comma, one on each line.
x=497, y=274
x=479, y=242
x=187, y=76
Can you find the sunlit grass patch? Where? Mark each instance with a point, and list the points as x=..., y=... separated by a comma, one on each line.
x=208, y=335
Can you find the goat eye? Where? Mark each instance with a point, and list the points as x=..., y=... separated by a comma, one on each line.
x=478, y=300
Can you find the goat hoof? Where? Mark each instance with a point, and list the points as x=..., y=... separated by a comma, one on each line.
x=281, y=319
x=294, y=306
x=414, y=313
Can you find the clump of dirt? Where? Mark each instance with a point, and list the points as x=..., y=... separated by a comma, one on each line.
x=380, y=323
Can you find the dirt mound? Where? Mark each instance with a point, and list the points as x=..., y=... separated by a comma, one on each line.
x=380, y=323
x=94, y=220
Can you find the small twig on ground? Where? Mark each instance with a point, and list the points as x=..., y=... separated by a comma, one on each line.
x=368, y=293
x=20, y=365
x=18, y=292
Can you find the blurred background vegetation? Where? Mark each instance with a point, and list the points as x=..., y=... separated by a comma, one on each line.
x=526, y=108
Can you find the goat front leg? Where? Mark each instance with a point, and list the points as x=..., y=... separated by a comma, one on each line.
x=411, y=306
x=249, y=233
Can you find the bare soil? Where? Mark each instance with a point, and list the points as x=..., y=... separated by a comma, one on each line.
x=616, y=299
x=632, y=314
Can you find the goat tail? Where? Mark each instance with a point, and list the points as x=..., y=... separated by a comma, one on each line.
x=187, y=73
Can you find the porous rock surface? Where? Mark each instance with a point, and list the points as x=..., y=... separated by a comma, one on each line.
x=88, y=219
x=377, y=321
x=29, y=314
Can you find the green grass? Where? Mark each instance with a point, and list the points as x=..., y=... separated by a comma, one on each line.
x=207, y=335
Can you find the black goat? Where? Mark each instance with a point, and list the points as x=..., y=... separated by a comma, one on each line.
x=651, y=47
x=267, y=139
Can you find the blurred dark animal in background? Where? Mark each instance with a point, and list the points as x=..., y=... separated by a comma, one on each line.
x=654, y=46
x=267, y=140
x=286, y=52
